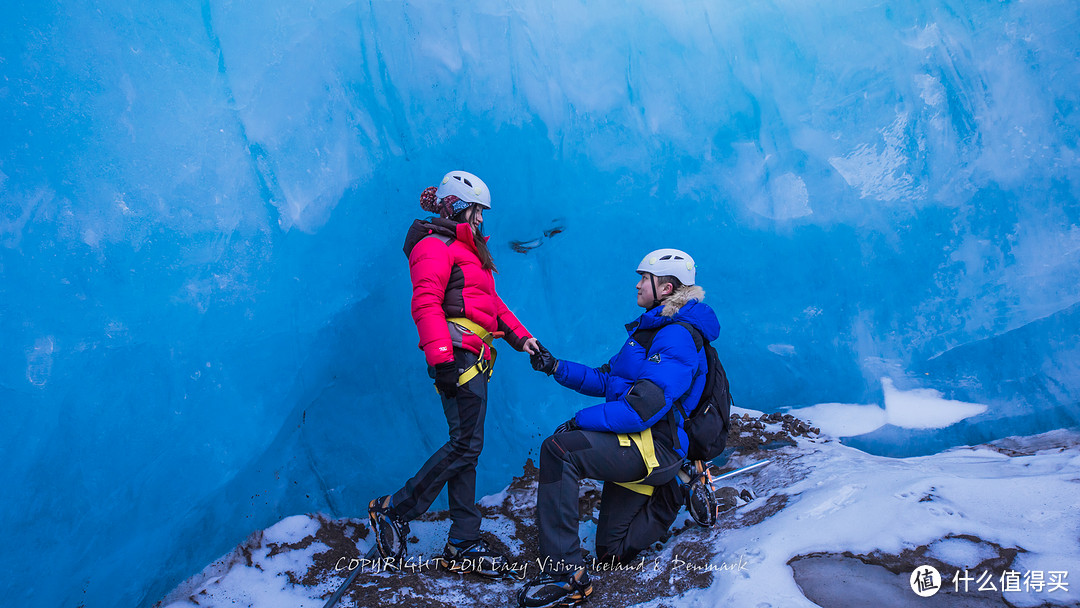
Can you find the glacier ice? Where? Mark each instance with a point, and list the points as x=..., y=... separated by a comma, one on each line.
x=203, y=302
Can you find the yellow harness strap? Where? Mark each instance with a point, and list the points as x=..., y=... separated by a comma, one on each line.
x=644, y=443
x=482, y=365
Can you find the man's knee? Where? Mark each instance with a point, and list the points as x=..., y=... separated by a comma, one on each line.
x=556, y=450
x=551, y=460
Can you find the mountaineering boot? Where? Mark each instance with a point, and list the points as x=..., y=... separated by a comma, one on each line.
x=390, y=530
x=570, y=589
x=699, y=494
x=475, y=557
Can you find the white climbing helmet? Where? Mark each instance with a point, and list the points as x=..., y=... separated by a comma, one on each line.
x=466, y=187
x=670, y=263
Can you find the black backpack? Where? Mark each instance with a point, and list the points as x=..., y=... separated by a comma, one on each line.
x=707, y=423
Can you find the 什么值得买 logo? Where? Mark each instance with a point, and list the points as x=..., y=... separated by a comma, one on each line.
x=925, y=581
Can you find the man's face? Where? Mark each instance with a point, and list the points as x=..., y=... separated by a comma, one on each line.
x=645, y=294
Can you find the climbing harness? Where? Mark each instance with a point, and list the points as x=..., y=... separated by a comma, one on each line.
x=644, y=443
x=483, y=364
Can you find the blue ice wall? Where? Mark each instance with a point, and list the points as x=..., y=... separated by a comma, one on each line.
x=204, y=307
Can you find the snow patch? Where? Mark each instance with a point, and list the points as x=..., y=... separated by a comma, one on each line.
x=912, y=409
x=291, y=530
x=843, y=419
x=961, y=552
x=924, y=408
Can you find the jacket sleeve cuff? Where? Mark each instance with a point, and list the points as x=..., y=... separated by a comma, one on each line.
x=436, y=353
x=513, y=338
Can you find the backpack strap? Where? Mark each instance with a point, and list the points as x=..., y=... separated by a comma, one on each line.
x=698, y=345
x=699, y=340
x=420, y=230
x=645, y=338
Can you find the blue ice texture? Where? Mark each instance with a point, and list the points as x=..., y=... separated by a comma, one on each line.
x=204, y=305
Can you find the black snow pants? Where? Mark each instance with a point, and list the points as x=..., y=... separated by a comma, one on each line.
x=629, y=521
x=454, y=464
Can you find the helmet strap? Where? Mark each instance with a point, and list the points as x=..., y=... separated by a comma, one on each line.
x=656, y=299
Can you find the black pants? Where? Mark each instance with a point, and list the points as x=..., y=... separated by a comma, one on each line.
x=629, y=521
x=454, y=464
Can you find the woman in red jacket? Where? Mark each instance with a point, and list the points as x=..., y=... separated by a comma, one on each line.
x=458, y=314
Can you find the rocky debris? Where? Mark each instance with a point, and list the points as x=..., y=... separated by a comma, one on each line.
x=685, y=559
x=767, y=431
x=666, y=572
x=1056, y=441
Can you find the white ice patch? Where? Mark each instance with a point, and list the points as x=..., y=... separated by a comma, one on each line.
x=924, y=408
x=930, y=89
x=925, y=38
x=493, y=500
x=843, y=419
x=879, y=174
x=914, y=409
x=787, y=198
x=39, y=361
x=784, y=350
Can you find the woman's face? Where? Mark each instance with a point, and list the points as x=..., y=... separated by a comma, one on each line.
x=475, y=216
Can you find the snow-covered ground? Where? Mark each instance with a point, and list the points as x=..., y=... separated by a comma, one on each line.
x=827, y=525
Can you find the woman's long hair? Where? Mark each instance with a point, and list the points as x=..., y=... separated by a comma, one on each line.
x=444, y=207
x=482, y=251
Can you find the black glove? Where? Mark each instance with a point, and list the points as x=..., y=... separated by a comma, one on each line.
x=566, y=427
x=446, y=377
x=543, y=361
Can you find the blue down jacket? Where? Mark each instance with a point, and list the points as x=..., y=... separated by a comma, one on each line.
x=640, y=387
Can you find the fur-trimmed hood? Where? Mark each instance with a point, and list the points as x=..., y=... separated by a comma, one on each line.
x=674, y=303
x=685, y=305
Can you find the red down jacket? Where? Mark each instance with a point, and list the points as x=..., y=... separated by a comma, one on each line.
x=449, y=281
